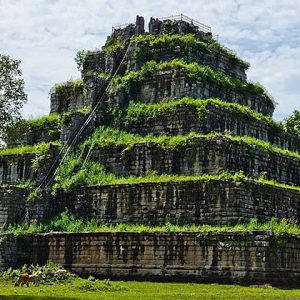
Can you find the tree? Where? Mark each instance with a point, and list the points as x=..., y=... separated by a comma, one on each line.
x=12, y=95
x=292, y=123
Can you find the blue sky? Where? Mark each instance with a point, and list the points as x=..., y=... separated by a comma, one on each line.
x=46, y=34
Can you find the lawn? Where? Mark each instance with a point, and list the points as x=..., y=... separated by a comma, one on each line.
x=83, y=289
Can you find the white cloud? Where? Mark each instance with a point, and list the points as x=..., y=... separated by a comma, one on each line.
x=45, y=35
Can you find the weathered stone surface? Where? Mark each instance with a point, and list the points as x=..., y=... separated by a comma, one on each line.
x=163, y=85
x=256, y=257
x=67, y=99
x=76, y=122
x=8, y=252
x=184, y=119
x=213, y=202
x=198, y=156
x=16, y=168
x=15, y=206
x=12, y=205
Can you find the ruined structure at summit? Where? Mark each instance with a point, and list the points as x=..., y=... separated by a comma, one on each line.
x=162, y=127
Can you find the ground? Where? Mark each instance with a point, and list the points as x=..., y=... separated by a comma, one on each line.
x=84, y=289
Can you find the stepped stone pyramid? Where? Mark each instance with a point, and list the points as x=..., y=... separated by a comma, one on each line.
x=162, y=127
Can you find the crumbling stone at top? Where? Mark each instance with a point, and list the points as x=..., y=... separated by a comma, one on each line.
x=157, y=26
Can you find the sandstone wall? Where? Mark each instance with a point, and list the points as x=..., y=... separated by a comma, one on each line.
x=199, y=156
x=15, y=206
x=67, y=99
x=76, y=122
x=213, y=202
x=256, y=257
x=8, y=252
x=12, y=205
x=16, y=168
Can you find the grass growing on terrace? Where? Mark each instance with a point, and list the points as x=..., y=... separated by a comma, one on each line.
x=34, y=149
x=66, y=222
x=139, y=112
x=75, y=86
x=105, y=137
x=72, y=173
x=148, y=44
x=194, y=72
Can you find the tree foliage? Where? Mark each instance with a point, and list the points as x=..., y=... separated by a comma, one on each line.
x=292, y=123
x=12, y=95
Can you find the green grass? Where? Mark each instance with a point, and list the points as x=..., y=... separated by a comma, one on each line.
x=84, y=289
x=194, y=72
x=66, y=222
x=75, y=86
x=107, y=137
x=34, y=149
x=141, y=112
x=71, y=175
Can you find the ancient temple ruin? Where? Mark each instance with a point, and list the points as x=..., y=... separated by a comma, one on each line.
x=163, y=126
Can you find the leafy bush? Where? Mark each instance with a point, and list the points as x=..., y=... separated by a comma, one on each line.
x=292, y=123
x=79, y=58
x=48, y=273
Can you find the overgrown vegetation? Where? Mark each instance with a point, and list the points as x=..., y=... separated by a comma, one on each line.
x=150, y=44
x=292, y=123
x=48, y=271
x=12, y=95
x=75, y=172
x=40, y=148
x=75, y=86
x=79, y=58
x=141, y=112
x=66, y=222
x=194, y=72
x=105, y=137
x=32, y=130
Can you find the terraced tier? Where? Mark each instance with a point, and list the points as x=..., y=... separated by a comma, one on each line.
x=192, y=154
x=34, y=131
x=199, y=200
x=255, y=257
x=12, y=204
x=177, y=79
x=26, y=163
x=16, y=205
x=187, y=47
x=204, y=116
x=15, y=168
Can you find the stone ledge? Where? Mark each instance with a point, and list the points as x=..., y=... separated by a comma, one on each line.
x=202, y=202
x=199, y=155
x=205, y=263
x=183, y=119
